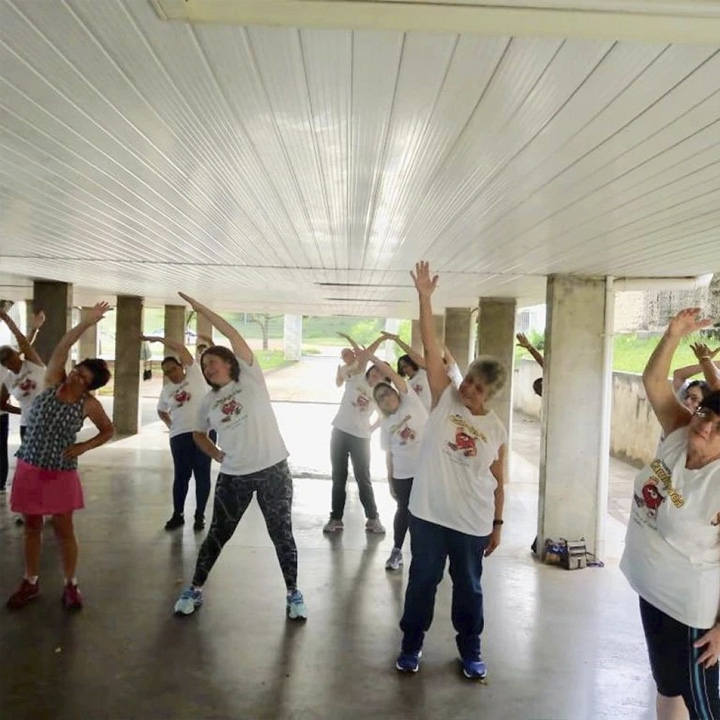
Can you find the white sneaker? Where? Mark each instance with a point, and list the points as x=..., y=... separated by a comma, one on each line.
x=395, y=561
x=374, y=526
x=333, y=525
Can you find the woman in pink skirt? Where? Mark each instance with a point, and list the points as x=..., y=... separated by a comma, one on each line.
x=46, y=479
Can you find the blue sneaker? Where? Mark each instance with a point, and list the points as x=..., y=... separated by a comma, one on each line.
x=408, y=662
x=474, y=668
x=295, y=606
x=189, y=599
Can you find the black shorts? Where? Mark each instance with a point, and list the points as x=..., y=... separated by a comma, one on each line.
x=673, y=660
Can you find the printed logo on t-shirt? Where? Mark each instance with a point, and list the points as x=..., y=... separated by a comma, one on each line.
x=26, y=385
x=655, y=490
x=231, y=408
x=362, y=402
x=466, y=437
x=403, y=430
x=182, y=396
x=418, y=388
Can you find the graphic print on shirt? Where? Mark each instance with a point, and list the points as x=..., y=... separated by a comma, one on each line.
x=466, y=437
x=655, y=490
x=230, y=407
x=403, y=430
x=418, y=388
x=181, y=395
x=362, y=401
x=25, y=384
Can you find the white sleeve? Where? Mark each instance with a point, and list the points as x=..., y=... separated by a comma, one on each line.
x=162, y=404
x=202, y=420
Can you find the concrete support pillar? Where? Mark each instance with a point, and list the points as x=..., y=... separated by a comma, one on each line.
x=292, y=337
x=203, y=328
x=576, y=410
x=88, y=343
x=496, y=337
x=55, y=298
x=128, y=328
x=175, y=323
x=458, y=324
x=415, y=337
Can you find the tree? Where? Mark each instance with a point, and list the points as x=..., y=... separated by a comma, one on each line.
x=263, y=320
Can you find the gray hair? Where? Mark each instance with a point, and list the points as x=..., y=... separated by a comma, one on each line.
x=489, y=371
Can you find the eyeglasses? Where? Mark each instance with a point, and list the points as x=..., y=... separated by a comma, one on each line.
x=706, y=415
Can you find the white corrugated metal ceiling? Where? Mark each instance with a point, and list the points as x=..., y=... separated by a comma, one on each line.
x=305, y=170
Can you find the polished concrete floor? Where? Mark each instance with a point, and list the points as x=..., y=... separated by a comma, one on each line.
x=558, y=644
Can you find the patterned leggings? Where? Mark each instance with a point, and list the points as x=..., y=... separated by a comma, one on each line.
x=233, y=494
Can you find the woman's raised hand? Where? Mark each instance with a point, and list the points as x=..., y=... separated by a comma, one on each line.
x=703, y=352
x=688, y=321
x=424, y=282
x=192, y=302
x=97, y=312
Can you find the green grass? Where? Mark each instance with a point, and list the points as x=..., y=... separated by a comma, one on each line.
x=270, y=359
x=631, y=353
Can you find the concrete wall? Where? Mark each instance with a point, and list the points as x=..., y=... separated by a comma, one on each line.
x=634, y=431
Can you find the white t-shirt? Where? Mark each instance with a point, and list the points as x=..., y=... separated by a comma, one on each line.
x=356, y=406
x=453, y=372
x=182, y=400
x=453, y=485
x=672, y=546
x=419, y=383
x=401, y=433
x=247, y=430
x=25, y=386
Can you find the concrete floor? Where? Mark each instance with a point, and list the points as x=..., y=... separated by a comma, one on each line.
x=558, y=644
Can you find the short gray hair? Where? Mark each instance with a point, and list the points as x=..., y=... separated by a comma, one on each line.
x=489, y=371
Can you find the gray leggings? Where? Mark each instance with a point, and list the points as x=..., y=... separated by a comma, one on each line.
x=233, y=494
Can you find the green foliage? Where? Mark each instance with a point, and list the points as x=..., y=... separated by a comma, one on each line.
x=324, y=330
x=269, y=359
x=537, y=339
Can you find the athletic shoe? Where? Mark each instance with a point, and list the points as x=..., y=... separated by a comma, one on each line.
x=296, y=609
x=408, y=662
x=374, y=526
x=189, y=599
x=71, y=597
x=473, y=669
x=199, y=523
x=395, y=561
x=24, y=594
x=333, y=525
x=174, y=522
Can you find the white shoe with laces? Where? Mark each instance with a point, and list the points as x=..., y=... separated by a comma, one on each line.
x=374, y=526
x=395, y=561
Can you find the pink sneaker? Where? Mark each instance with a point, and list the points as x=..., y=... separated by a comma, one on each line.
x=23, y=595
x=72, y=598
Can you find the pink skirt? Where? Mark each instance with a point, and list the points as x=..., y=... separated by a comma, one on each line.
x=37, y=491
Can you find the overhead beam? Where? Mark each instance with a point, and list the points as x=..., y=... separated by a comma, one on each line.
x=692, y=21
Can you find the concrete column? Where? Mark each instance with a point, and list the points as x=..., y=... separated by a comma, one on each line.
x=458, y=324
x=496, y=337
x=175, y=323
x=55, y=298
x=88, y=343
x=128, y=328
x=576, y=411
x=415, y=337
x=292, y=337
x=203, y=327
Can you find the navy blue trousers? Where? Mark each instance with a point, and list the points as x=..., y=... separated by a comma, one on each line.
x=432, y=545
